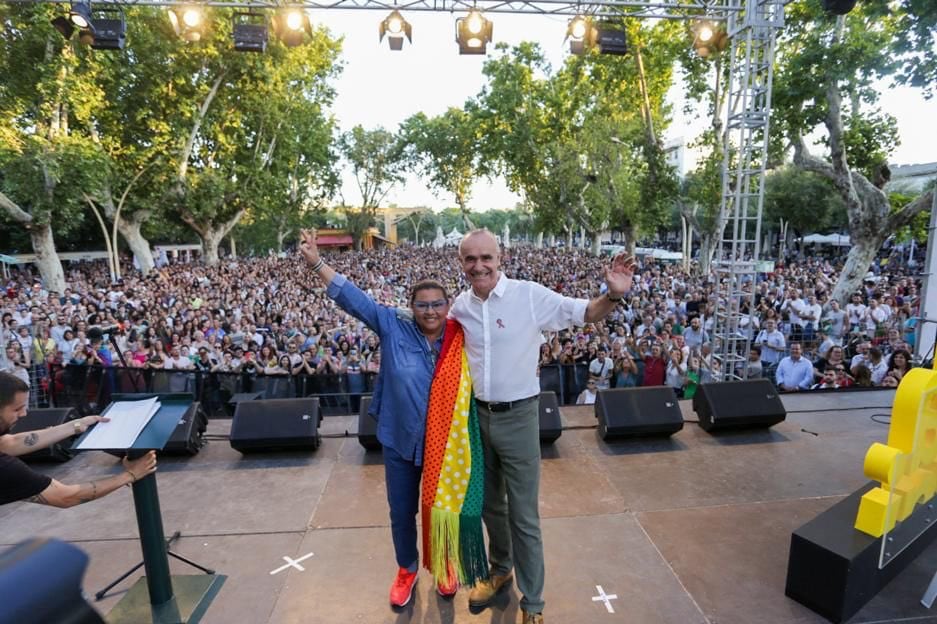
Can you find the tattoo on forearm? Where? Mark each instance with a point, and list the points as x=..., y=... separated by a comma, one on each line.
x=38, y=498
x=31, y=439
x=89, y=497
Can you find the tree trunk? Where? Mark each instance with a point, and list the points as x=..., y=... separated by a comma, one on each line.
x=707, y=249
x=281, y=236
x=139, y=246
x=47, y=258
x=211, y=241
x=596, y=246
x=539, y=243
x=860, y=257
x=629, y=236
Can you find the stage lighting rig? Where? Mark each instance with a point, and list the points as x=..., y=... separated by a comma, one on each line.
x=291, y=26
x=395, y=27
x=188, y=22
x=106, y=31
x=473, y=33
x=249, y=31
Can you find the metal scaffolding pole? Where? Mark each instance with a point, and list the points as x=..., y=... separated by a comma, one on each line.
x=753, y=33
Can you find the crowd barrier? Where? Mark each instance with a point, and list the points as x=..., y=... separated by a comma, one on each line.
x=89, y=388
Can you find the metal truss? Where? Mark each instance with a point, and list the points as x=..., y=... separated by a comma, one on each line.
x=753, y=34
x=664, y=9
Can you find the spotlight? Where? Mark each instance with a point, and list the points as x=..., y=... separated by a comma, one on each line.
x=473, y=33
x=708, y=38
x=80, y=15
x=395, y=27
x=188, y=22
x=108, y=31
x=291, y=25
x=610, y=39
x=581, y=34
x=249, y=31
x=64, y=26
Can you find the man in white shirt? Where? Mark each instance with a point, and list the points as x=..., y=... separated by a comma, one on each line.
x=855, y=312
x=503, y=320
x=600, y=368
x=772, y=343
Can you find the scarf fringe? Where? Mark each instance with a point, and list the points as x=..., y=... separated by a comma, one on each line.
x=474, y=555
x=444, y=537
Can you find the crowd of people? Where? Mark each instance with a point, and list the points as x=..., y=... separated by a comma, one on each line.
x=266, y=316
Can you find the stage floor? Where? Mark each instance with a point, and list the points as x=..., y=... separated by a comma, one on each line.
x=691, y=529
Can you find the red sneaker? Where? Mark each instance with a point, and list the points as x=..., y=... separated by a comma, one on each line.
x=402, y=589
x=450, y=586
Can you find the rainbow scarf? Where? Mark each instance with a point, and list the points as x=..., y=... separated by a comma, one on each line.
x=453, y=470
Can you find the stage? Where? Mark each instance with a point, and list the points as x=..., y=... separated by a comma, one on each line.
x=691, y=529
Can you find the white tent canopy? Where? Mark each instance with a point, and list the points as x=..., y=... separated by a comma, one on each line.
x=454, y=237
x=837, y=240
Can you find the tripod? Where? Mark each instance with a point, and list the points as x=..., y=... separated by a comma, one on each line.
x=101, y=594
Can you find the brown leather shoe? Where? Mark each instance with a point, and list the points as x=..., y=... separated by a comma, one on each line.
x=484, y=591
x=531, y=618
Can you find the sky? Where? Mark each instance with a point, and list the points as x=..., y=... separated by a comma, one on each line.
x=378, y=87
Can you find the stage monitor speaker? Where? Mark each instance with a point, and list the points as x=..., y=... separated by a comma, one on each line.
x=276, y=425
x=738, y=405
x=39, y=419
x=551, y=425
x=367, y=427
x=627, y=412
x=186, y=438
x=40, y=581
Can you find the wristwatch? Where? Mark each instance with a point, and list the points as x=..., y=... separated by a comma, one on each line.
x=609, y=296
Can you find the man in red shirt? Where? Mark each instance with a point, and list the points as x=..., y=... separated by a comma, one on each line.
x=655, y=366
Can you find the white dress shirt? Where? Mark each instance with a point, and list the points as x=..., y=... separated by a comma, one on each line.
x=502, y=334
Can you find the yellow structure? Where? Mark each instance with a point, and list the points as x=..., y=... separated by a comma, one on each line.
x=906, y=466
x=392, y=214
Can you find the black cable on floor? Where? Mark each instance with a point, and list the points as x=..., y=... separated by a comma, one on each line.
x=879, y=418
x=838, y=409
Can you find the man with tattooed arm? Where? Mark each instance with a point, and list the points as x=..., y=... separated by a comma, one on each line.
x=20, y=482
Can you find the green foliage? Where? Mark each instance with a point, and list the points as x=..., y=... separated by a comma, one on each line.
x=445, y=149
x=378, y=160
x=806, y=200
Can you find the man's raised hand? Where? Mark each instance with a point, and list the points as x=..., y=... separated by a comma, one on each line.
x=619, y=276
x=308, y=245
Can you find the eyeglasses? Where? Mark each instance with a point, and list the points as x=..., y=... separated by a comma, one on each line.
x=423, y=306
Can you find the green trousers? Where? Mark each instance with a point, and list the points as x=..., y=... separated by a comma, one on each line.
x=511, y=441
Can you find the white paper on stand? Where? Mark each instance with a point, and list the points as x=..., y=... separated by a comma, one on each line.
x=127, y=420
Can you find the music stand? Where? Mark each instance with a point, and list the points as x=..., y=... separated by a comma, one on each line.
x=159, y=597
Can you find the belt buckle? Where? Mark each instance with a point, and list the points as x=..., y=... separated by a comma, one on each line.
x=495, y=406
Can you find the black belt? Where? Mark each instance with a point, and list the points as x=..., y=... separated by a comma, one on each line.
x=503, y=406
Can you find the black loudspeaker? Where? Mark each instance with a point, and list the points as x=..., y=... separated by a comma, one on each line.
x=276, y=425
x=186, y=438
x=40, y=581
x=38, y=419
x=367, y=427
x=551, y=425
x=649, y=411
x=738, y=405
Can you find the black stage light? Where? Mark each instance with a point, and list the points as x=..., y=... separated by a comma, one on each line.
x=839, y=7
x=250, y=32
x=109, y=32
x=473, y=33
x=611, y=39
x=64, y=26
x=396, y=28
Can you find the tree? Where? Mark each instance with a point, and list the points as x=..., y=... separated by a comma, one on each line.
x=807, y=201
x=378, y=159
x=46, y=155
x=446, y=151
x=832, y=59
